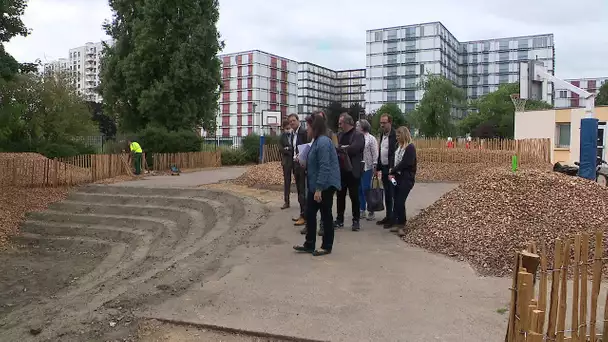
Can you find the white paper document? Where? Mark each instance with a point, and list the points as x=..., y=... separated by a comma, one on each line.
x=303, y=152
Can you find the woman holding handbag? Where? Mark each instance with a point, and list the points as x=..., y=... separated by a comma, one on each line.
x=370, y=157
x=403, y=176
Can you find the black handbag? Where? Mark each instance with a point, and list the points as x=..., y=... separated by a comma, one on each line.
x=375, y=196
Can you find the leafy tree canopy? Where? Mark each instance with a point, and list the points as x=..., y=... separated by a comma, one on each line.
x=602, y=96
x=356, y=111
x=333, y=112
x=11, y=26
x=162, y=68
x=393, y=110
x=494, y=113
x=432, y=117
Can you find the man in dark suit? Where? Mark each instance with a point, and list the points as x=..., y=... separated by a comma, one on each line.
x=299, y=137
x=350, y=145
x=286, y=162
x=386, y=161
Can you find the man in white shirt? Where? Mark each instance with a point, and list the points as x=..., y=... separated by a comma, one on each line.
x=298, y=137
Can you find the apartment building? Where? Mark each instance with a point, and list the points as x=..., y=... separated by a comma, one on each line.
x=398, y=57
x=258, y=89
x=566, y=99
x=83, y=65
x=319, y=86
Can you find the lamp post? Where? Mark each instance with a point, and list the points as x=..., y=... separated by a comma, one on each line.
x=255, y=105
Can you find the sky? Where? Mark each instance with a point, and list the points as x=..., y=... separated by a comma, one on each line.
x=331, y=33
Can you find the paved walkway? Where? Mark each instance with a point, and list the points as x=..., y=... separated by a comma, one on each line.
x=373, y=287
x=189, y=179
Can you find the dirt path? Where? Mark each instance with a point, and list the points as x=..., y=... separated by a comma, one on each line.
x=80, y=270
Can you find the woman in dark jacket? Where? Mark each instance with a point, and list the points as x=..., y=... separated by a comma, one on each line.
x=403, y=176
x=323, y=177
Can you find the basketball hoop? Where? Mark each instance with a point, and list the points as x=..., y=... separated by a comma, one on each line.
x=518, y=102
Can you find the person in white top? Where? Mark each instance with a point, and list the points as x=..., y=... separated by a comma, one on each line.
x=370, y=158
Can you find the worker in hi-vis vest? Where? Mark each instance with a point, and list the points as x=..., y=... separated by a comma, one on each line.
x=136, y=151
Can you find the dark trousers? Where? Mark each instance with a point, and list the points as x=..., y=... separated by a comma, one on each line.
x=388, y=192
x=299, y=175
x=137, y=162
x=350, y=184
x=401, y=193
x=287, y=169
x=325, y=207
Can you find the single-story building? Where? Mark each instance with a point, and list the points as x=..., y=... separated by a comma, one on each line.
x=562, y=126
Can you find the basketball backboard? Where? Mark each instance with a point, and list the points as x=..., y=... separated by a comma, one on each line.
x=531, y=84
x=271, y=118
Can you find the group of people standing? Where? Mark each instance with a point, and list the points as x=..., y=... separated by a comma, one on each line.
x=347, y=162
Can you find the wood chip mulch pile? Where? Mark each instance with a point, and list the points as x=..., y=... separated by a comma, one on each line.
x=486, y=219
x=262, y=174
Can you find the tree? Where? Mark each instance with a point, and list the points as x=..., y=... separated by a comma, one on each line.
x=432, y=117
x=602, y=96
x=356, y=111
x=497, y=110
x=11, y=26
x=162, y=68
x=333, y=112
x=107, y=125
x=393, y=111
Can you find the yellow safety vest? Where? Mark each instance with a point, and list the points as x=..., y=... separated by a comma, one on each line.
x=135, y=147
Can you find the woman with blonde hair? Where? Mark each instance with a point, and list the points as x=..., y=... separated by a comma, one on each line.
x=403, y=176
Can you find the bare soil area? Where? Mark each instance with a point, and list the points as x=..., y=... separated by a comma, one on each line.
x=82, y=269
x=154, y=331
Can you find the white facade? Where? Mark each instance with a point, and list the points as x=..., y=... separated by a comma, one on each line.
x=319, y=86
x=567, y=99
x=398, y=57
x=255, y=84
x=83, y=65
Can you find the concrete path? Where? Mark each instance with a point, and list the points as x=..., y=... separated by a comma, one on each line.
x=189, y=179
x=373, y=287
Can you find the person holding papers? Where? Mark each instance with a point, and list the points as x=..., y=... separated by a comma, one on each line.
x=298, y=137
x=323, y=177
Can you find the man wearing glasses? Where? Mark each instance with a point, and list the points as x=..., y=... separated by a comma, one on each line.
x=386, y=161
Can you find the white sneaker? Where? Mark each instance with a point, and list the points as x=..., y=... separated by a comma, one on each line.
x=362, y=215
x=370, y=216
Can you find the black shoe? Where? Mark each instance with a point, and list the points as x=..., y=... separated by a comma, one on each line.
x=321, y=231
x=388, y=225
x=303, y=231
x=303, y=249
x=338, y=224
x=285, y=206
x=356, y=227
x=382, y=222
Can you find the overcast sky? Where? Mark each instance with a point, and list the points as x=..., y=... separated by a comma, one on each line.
x=332, y=32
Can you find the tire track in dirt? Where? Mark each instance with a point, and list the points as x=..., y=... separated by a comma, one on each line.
x=171, y=239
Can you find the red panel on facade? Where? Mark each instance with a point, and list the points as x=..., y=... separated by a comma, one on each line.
x=591, y=86
x=226, y=85
x=284, y=87
x=249, y=130
x=273, y=74
x=239, y=82
x=225, y=121
x=226, y=96
x=283, y=111
x=283, y=64
x=273, y=97
x=284, y=76
x=250, y=71
x=273, y=85
x=225, y=132
x=273, y=107
x=250, y=121
x=239, y=96
x=226, y=73
x=250, y=57
x=274, y=62
x=239, y=120
x=238, y=108
x=239, y=59
x=250, y=83
x=239, y=71
x=250, y=107
x=249, y=95
x=226, y=61
x=283, y=98
x=226, y=108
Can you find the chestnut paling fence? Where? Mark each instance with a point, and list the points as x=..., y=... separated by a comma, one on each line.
x=546, y=305
x=82, y=169
x=493, y=151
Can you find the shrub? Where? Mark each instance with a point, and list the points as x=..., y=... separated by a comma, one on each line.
x=234, y=157
x=159, y=140
x=251, y=145
x=63, y=149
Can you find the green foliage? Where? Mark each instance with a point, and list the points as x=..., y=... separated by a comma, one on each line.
x=156, y=139
x=64, y=149
x=393, y=111
x=432, y=117
x=163, y=67
x=602, y=96
x=332, y=112
x=11, y=26
x=356, y=111
x=494, y=113
x=236, y=156
x=251, y=145
x=39, y=112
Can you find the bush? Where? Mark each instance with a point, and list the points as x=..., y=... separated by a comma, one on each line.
x=251, y=145
x=63, y=149
x=159, y=140
x=234, y=157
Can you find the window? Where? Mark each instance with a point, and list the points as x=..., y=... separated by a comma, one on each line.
x=521, y=55
x=562, y=135
x=503, y=56
x=563, y=94
x=378, y=36
x=503, y=45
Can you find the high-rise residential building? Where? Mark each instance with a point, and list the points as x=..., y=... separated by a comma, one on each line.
x=398, y=57
x=259, y=89
x=319, y=86
x=565, y=98
x=83, y=65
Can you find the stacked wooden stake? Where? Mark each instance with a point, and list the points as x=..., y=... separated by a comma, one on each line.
x=527, y=315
